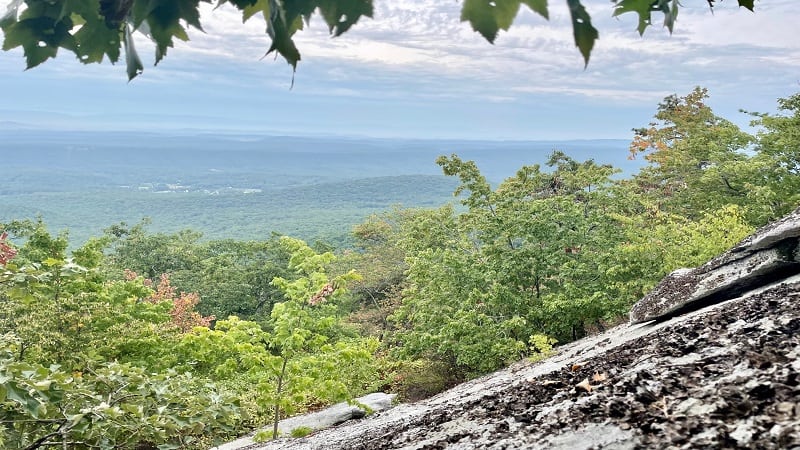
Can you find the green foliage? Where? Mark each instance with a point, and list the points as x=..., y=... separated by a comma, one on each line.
x=98, y=29
x=305, y=357
x=58, y=385
x=552, y=255
x=231, y=277
x=111, y=406
x=475, y=298
x=584, y=33
x=382, y=244
x=417, y=379
x=777, y=162
x=310, y=360
x=152, y=255
x=300, y=432
x=542, y=346
x=69, y=312
x=265, y=435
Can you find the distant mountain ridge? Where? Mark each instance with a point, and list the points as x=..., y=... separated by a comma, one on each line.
x=246, y=184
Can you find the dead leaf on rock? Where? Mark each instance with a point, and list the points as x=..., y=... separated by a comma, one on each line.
x=576, y=367
x=598, y=377
x=585, y=385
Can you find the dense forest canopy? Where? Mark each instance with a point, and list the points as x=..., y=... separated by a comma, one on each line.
x=142, y=340
x=95, y=30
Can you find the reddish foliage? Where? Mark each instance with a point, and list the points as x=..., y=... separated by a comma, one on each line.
x=7, y=252
x=183, y=314
x=322, y=295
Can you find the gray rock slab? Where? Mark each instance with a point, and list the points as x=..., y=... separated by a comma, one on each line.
x=686, y=287
x=338, y=413
x=771, y=234
x=319, y=420
x=593, y=435
x=771, y=253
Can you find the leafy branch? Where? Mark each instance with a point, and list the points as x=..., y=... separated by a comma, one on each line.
x=98, y=29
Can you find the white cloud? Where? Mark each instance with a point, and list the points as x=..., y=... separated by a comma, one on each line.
x=426, y=42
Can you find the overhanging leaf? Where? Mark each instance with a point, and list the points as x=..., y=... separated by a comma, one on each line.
x=95, y=38
x=114, y=12
x=11, y=13
x=40, y=38
x=670, y=15
x=641, y=7
x=96, y=41
x=585, y=34
x=133, y=64
x=300, y=8
x=747, y=4
x=282, y=42
x=488, y=17
x=340, y=15
x=260, y=6
x=539, y=7
x=645, y=8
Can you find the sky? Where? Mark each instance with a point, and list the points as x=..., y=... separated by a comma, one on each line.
x=416, y=71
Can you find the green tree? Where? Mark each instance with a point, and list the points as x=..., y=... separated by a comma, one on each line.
x=777, y=161
x=302, y=331
x=88, y=363
x=479, y=298
x=98, y=29
x=152, y=254
x=699, y=162
x=235, y=277
x=382, y=244
x=231, y=277
x=304, y=356
x=63, y=309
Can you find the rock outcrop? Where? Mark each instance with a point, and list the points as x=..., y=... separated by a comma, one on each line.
x=711, y=359
x=770, y=254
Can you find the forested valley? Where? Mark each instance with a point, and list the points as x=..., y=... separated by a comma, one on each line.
x=136, y=339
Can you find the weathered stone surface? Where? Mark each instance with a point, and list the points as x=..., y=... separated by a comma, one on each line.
x=771, y=234
x=772, y=253
x=593, y=435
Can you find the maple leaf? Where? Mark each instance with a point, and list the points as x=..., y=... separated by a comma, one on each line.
x=585, y=34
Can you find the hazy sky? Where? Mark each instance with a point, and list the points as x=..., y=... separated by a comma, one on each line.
x=416, y=71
